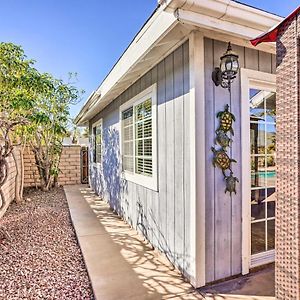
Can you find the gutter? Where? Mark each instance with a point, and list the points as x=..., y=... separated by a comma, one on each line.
x=225, y=10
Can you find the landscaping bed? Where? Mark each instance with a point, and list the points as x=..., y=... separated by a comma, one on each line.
x=40, y=258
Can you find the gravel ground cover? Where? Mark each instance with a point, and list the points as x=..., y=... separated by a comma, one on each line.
x=41, y=258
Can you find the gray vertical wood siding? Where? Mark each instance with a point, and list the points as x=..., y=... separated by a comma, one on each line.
x=161, y=216
x=223, y=237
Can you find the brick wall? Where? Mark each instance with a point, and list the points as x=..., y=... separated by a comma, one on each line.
x=69, y=166
x=9, y=186
x=287, y=278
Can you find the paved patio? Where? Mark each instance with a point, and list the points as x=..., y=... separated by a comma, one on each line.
x=121, y=265
x=254, y=286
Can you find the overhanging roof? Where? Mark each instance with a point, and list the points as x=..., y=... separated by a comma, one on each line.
x=271, y=35
x=169, y=25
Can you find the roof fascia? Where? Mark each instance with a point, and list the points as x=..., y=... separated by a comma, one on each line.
x=156, y=28
x=219, y=16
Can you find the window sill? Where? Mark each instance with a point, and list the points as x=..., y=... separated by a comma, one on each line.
x=145, y=181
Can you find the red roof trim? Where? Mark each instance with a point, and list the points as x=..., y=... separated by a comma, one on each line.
x=271, y=35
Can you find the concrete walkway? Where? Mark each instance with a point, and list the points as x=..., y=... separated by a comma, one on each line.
x=121, y=265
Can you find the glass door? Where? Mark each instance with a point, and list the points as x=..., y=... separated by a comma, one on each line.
x=263, y=175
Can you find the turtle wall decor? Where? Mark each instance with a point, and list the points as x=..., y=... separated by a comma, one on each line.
x=231, y=183
x=221, y=158
x=226, y=120
x=222, y=139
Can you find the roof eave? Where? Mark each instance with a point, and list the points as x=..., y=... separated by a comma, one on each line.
x=159, y=25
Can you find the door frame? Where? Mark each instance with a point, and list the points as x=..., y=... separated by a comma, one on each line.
x=264, y=81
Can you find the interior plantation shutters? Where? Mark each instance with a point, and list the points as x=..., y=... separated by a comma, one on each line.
x=137, y=133
x=97, y=143
x=128, y=154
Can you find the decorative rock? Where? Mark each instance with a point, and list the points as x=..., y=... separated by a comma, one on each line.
x=42, y=259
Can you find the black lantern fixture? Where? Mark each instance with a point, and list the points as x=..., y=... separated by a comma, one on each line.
x=229, y=67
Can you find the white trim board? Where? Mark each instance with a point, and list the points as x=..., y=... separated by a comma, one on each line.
x=197, y=158
x=263, y=81
x=262, y=258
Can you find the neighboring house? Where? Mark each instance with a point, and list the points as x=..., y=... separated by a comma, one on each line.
x=80, y=141
x=152, y=123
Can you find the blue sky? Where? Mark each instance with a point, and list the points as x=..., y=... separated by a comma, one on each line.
x=85, y=36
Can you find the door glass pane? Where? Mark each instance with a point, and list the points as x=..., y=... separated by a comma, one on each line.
x=263, y=169
x=258, y=169
x=271, y=108
x=258, y=204
x=271, y=171
x=271, y=234
x=271, y=200
x=258, y=237
x=257, y=138
x=257, y=106
x=270, y=138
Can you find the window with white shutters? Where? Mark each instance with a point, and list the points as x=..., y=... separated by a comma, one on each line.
x=138, y=138
x=127, y=128
x=97, y=142
x=143, y=138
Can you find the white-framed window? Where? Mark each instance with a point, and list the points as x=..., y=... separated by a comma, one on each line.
x=97, y=144
x=138, y=138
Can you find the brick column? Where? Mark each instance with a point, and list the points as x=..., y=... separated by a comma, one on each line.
x=287, y=278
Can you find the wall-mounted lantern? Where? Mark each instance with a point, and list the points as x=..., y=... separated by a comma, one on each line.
x=229, y=67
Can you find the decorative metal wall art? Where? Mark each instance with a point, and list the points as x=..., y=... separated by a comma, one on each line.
x=222, y=139
x=221, y=158
x=231, y=183
x=226, y=120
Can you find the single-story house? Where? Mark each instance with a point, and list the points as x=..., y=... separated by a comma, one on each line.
x=154, y=120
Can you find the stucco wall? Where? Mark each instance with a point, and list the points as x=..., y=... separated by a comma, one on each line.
x=69, y=166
